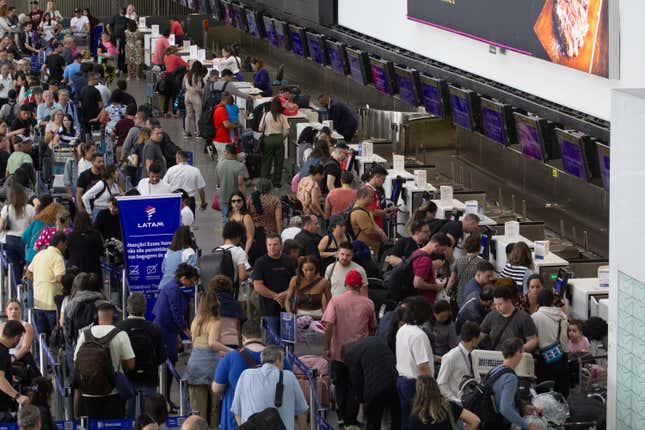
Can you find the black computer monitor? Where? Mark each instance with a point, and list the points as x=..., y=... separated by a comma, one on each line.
x=497, y=121
x=535, y=136
x=382, y=72
x=603, y=163
x=255, y=23
x=298, y=40
x=240, y=18
x=282, y=34
x=577, y=151
x=269, y=29
x=337, y=56
x=408, y=84
x=358, y=65
x=216, y=10
x=316, y=44
x=434, y=96
x=465, y=106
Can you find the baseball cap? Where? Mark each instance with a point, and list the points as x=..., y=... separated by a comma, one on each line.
x=231, y=148
x=353, y=279
x=326, y=130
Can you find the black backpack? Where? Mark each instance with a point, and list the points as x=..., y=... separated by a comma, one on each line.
x=400, y=281
x=479, y=398
x=348, y=220
x=266, y=419
x=145, y=362
x=218, y=262
x=212, y=97
x=94, y=373
x=169, y=150
x=84, y=315
x=436, y=225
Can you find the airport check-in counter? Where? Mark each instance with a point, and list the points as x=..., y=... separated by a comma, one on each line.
x=588, y=298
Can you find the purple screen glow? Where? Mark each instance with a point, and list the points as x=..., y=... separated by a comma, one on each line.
x=336, y=59
x=228, y=17
x=460, y=112
x=603, y=160
x=493, y=125
x=253, y=27
x=296, y=43
x=572, y=159
x=355, y=68
x=406, y=89
x=432, y=99
x=529, y=140
x=315, y=51
x=280, y=36
x=270, y=31
x=379, y=78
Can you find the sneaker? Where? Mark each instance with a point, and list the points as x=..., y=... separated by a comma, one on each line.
x=211, y=151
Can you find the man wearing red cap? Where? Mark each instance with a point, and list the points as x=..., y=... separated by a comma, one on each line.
x=348, y=317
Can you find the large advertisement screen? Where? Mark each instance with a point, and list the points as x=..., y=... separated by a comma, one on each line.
x=573, y=33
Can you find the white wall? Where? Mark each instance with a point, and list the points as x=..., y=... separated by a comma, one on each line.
x=385, y=20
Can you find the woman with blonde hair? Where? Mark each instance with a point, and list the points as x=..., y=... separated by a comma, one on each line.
x=207, y=350
x=47, y=217
x=431, y=410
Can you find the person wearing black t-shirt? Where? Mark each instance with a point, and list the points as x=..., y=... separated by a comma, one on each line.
x=308, y=238
x=88, y=178
x=272, y=273
x=24, y=122
x=11, y=334
x=55, y=63
x=107, y=221
x=404, y=248
x=455, y=229
x=121, y=88
x=332, y=168
x=91, y=103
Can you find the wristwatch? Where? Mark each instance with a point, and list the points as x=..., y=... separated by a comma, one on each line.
x=16, y=396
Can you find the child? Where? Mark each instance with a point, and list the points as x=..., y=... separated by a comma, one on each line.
x=577, y=341
x=233, y=112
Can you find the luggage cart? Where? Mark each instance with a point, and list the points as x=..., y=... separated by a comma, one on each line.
x=81, y=40
x=61, y=156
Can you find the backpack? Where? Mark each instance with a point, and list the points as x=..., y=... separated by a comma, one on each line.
x=480, y=400
x=94, y=372
x=12, y=115
x=211, y=99
x=436, y=225
x=348, y=219
x=169, y=150
x=266, y=419
x=84, y=315
x=145, y=361
x=400, y=281
x=218, y=262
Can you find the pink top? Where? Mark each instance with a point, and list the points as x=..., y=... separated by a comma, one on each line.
x=422, y=267
x=157, y=56
x=228, y=334
x=353, y=317
x=111, y=49
x=582, y=346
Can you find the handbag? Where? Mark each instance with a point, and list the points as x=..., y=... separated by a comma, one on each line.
x=123, y=386
x=554, y=352
x=7, y=221
x=216, y=204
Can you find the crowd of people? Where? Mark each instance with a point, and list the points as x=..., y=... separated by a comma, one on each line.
x=396, y=319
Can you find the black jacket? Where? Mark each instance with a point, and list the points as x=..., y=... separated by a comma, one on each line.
x=372, y=367
x=308, y=243
x=151, y=376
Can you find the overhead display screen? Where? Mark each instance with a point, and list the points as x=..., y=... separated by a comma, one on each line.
x=493, y=124
x=270, y=31
x=603, y=161
x=528, y=136
x=408, y=82
x=316, y=48
x=573, y=33
x=382, y=75
x=433, y=95
x=337, y=56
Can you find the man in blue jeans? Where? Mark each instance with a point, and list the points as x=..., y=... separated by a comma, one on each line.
x=271, y=275
x=46, y=271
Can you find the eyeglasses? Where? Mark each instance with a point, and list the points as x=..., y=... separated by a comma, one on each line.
x=236, y=201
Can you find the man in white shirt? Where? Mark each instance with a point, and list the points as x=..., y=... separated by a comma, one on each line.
x=295, y=227
x=79, y=23
x=6, y=83
x=337, y=271
x=188, y=178
x=457, y=362
x=110, y=406
x=413, y=353
x=153, y=185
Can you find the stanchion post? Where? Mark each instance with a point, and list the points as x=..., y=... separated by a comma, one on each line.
x=137, y=405
x=59, y=398
x=3, y=292
x=313, y=408
x=162, y=379
x=183, y=385
x=42, y=338
x=69, y=400
x=196, y=299
x=124, y=292
x=84, y=421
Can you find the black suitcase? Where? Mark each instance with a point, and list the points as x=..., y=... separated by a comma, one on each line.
x=583, y=408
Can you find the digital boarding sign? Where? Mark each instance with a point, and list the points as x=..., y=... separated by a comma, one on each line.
x=577, y=151
x=382, y=72
x=298, y=40
x=337, y=56
x=269, y=29
x=316, y=44
x=358, y=65
x=216, y=10
x=434, y=96
x=240, y=18
x=255, y=23
x=409, y=85
x=497, y=121
x=229, y=15
x=529, y=136
x=603, y=163
x=465, y=107
x=282, y=34
x=572, y=33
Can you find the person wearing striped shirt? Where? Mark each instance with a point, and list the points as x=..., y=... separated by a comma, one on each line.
x=519, y=266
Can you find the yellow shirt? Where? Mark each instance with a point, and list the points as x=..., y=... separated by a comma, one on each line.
x=46, y=266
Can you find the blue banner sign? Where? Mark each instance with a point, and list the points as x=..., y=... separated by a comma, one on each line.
x=148, y=224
